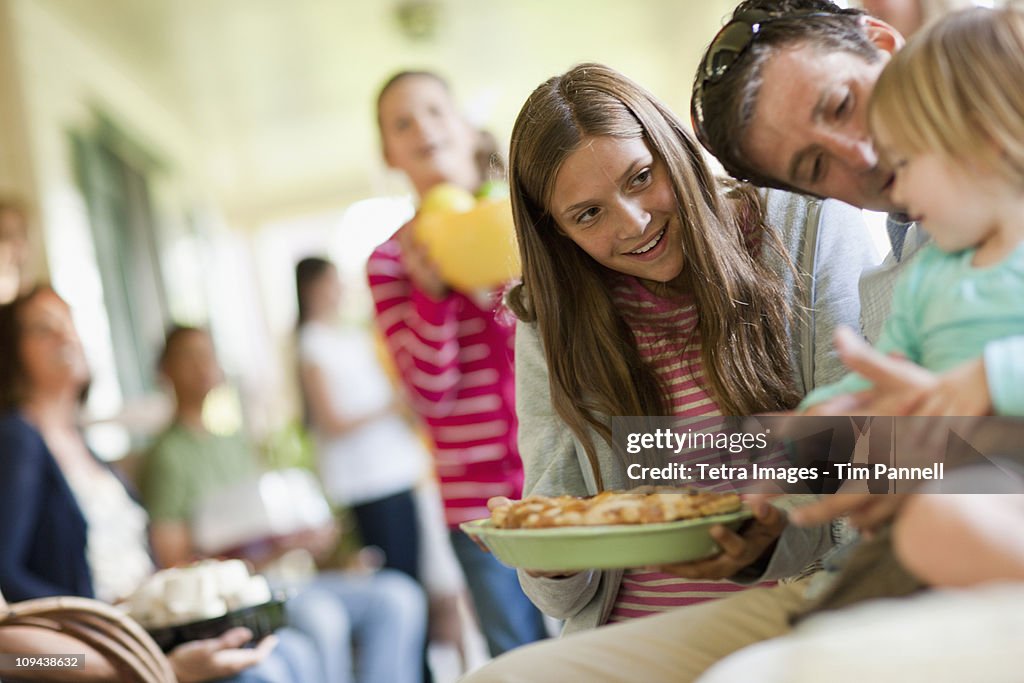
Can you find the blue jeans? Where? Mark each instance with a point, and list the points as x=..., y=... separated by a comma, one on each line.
x=391, y=524
x=294, y=660
x=507, y=617
x=383, y=614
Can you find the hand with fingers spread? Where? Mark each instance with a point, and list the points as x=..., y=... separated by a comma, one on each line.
x=901, y=387
x=739, y=549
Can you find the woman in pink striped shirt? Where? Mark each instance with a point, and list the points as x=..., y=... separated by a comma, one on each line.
x=453, y=350
x=652, y=288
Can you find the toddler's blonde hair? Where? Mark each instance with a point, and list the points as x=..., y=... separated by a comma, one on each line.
x=958, y=88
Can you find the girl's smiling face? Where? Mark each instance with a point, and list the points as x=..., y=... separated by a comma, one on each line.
x=613, y=197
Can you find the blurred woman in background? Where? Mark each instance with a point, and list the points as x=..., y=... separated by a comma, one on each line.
x=68, y=525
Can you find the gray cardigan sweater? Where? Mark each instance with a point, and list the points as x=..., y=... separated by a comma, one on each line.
x=826, y=242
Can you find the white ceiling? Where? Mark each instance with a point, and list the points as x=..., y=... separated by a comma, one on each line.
x=280, y=92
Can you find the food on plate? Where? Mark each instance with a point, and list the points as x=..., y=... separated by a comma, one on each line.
x=613, y=507
x=205, y=590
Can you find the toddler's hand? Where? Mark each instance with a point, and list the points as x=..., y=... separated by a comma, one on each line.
x=901, y=387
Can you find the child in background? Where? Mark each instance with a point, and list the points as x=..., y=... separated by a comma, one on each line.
x=453, y=350
x=369, y=459
x=948, y=112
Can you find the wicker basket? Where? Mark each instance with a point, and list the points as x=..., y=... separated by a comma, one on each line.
x=103, y=628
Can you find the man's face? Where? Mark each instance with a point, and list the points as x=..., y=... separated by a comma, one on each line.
x=810, y=128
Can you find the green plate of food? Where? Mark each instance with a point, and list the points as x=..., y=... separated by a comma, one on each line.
x=608, y=531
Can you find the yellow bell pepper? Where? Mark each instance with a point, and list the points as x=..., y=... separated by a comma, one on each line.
x=473, y=244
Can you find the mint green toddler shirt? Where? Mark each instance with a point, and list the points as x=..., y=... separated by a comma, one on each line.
x=945, y=312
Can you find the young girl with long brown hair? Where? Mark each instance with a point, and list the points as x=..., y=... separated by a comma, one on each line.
x=651, y=288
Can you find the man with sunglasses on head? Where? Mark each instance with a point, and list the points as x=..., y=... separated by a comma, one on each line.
x=781, y=99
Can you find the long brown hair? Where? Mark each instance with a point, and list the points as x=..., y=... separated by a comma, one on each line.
x=308, y=272
x=595, y=367
x=955, y=89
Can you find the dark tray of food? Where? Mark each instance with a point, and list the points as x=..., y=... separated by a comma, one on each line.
x=262, y=620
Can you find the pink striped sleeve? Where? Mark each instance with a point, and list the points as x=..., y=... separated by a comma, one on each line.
x=421, y=333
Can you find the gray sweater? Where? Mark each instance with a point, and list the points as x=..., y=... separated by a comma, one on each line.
x=826, y=241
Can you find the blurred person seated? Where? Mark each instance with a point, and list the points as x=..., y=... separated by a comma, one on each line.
x=383, y=612
x=68, y=525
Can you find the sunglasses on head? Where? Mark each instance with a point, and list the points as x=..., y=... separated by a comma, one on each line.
x=726, y=47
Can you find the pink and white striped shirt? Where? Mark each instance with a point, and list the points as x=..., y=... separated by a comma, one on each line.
x=455, y=359
x=668, y=338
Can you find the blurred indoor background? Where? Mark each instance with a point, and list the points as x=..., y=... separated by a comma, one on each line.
x=178, y=156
